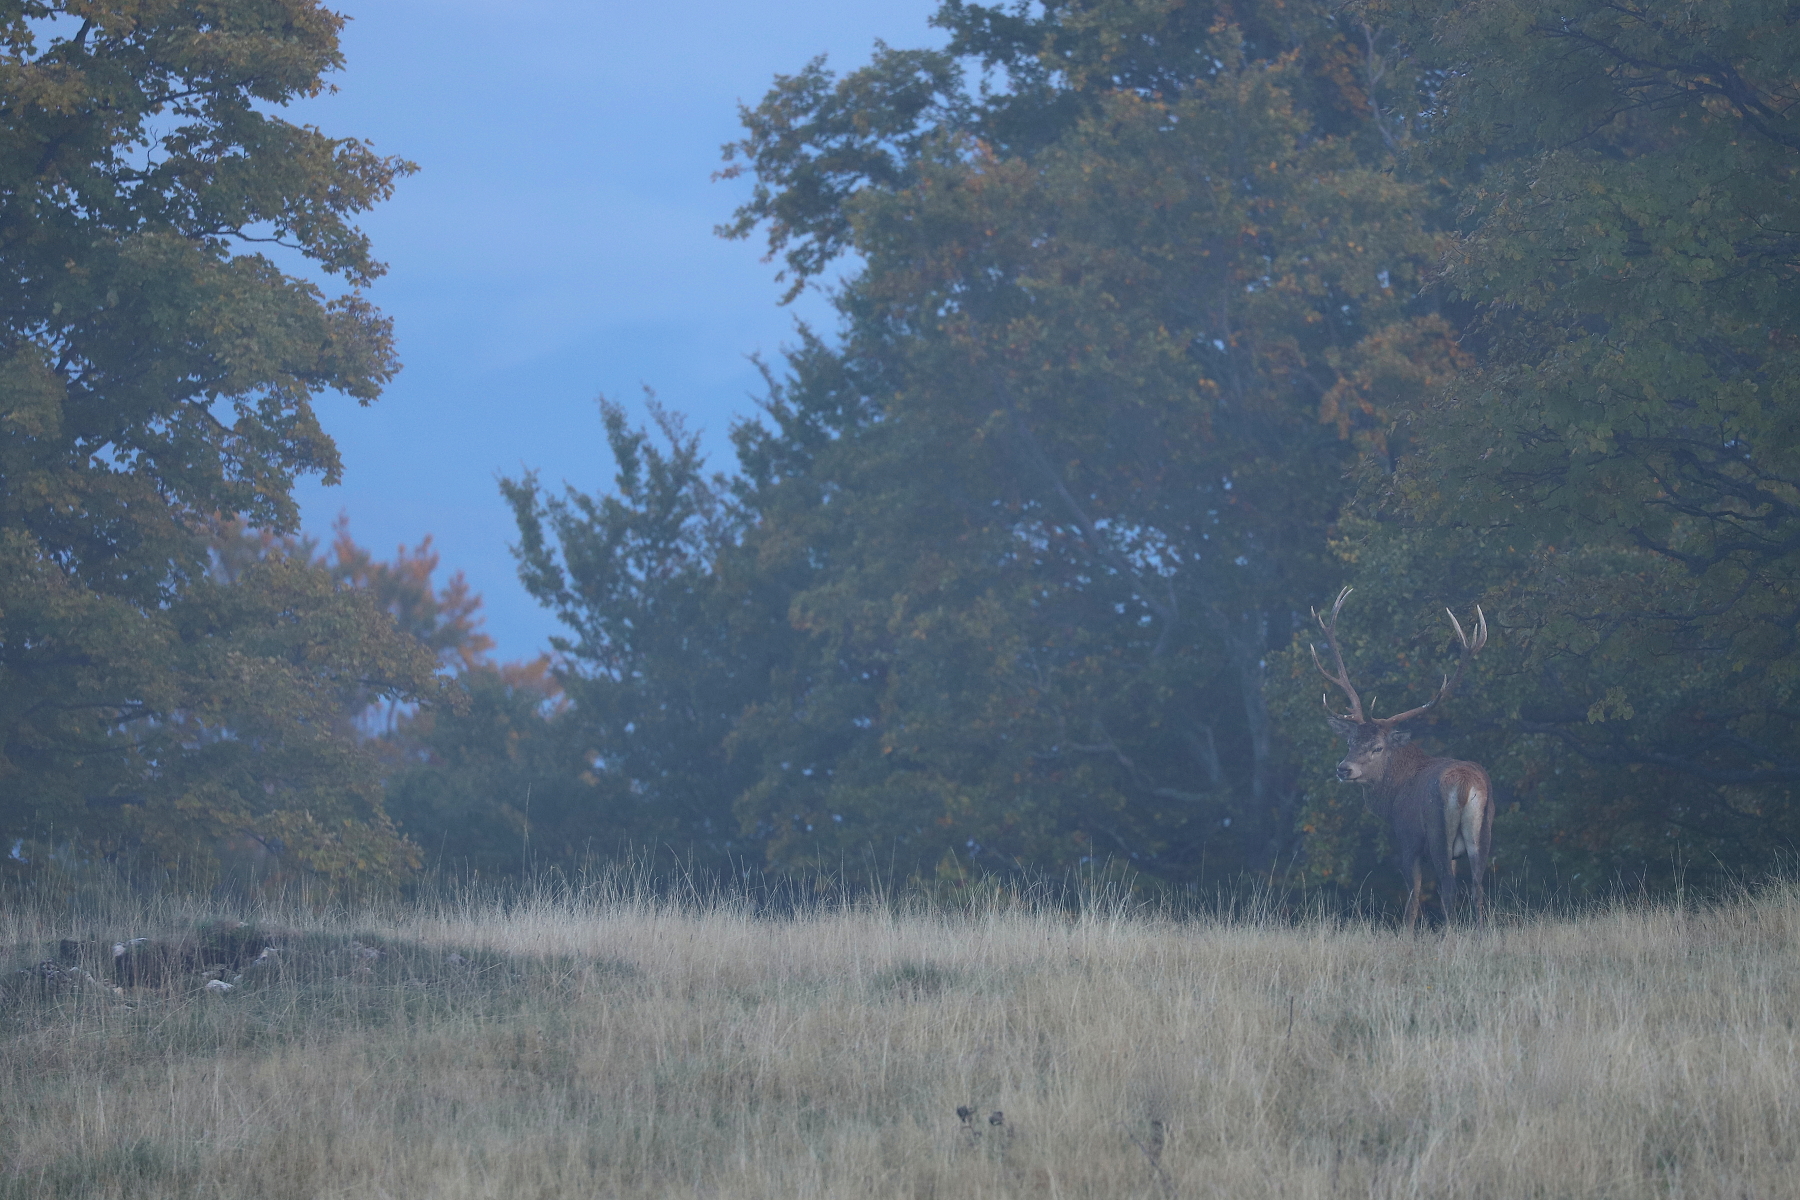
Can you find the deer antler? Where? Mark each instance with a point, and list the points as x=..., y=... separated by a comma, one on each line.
x=1342, y=678
x=1469, y=650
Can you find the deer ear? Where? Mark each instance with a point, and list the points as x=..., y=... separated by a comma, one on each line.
x=1342, y=726
x=1398, y=737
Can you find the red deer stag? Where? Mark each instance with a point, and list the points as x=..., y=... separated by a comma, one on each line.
x=1437, y=808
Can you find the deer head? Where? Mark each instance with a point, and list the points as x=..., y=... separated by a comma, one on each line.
x=1373, y=741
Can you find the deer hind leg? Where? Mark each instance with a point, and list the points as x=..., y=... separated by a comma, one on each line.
x=1447, y=891
x=1443, y=862
x=1481, y=845
x=1468, y=826
x=1445, y=848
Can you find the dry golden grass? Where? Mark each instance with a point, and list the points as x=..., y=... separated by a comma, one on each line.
x=630, y=1048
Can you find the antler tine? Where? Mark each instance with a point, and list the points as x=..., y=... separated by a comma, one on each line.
x=1342, y=678
x=1480, y=630
x=1469, y=650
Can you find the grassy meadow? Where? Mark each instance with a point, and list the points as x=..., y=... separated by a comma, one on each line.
x=623, y=1046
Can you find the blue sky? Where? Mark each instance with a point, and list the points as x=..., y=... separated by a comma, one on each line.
x=556, y=245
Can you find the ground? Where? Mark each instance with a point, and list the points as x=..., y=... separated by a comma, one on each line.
x=617, y=1045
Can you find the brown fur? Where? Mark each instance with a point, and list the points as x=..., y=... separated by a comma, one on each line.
x=1436, y=809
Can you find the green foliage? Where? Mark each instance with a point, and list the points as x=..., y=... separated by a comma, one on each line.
x=154, y=374
x=1004, y=566
x=498, y=784
x=1134, y=320
x=445, y=621
x=815, y=142
x=239, y=737
x=667, y=653
x=1616, y=477
x=1068, y=478
x=1167, y=316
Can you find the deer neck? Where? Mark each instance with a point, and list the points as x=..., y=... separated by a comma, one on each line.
x=1404, y=762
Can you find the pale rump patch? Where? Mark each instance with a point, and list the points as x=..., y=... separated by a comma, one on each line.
x=1465, y=807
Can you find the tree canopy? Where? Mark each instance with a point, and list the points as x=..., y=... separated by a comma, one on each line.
x=1167, y=318
x=159, y=375
x=1617, y=465
x=1157, y=322
x=1007, y=561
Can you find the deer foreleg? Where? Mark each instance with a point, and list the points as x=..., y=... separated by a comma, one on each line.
x=1416, y=896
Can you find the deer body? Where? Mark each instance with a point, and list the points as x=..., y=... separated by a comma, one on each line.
x=1438, y=809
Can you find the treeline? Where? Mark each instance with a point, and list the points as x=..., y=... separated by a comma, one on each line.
x=1162, y=321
